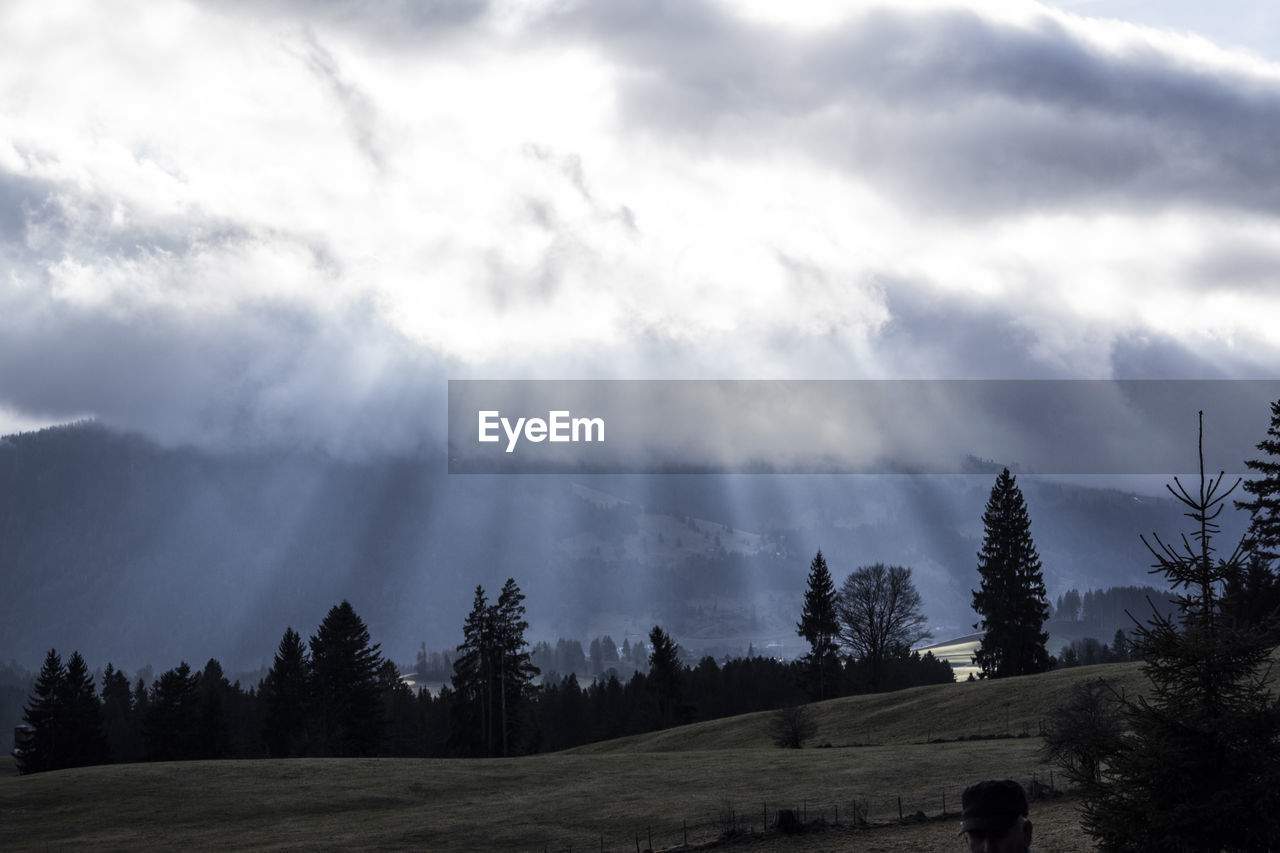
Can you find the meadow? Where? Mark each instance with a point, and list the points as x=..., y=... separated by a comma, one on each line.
x=714, y=783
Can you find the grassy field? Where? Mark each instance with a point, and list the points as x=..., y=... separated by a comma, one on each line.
x=705, y=779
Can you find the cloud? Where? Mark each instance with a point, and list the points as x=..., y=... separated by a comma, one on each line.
x=949, y=109
x=284, y=223
x=269, y=374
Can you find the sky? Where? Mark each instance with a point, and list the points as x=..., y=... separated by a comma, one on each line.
x=288, y=224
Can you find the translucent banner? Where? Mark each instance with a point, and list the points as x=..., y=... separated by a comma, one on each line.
x=855, y=426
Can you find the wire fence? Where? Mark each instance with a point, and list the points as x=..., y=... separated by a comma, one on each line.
x=736, y=818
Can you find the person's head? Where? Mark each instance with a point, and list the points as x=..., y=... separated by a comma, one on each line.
x=995, y=817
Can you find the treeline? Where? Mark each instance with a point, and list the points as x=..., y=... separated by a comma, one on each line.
x=334, y=694
x=1108, y=610
x=1089, y=651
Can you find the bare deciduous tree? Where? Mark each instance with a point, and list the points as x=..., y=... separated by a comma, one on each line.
x=880, y=615
x=791, y=727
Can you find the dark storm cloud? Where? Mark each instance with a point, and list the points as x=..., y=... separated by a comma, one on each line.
x=951, y=109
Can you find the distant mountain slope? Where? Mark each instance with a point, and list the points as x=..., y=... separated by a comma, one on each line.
x=137, y=554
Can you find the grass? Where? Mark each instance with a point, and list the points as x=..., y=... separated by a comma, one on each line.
x=616, y=791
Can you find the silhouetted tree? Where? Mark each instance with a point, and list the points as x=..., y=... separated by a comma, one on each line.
x=66, y=716
x=121, y=728
x=215, y=698
x=664, y=680
x=1200, y=766
x=401, y=723
x=83, y=738
x=515, y=669
x=880, y=614
x=472, y=700
x=45, y=749
x=820, y=626
x=171, y=728
x=284, y=697
x=1011, y=598
x=1252, y=595
x=1263, y=539
x=344, y=685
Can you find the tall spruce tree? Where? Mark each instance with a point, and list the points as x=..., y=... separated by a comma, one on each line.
x=514, y=670
x=284, y=697
x=344, y=685
x=119, y=723
x=472, y=705
x=172, y=725
x=1263, y=539
x=1199, y=769
x=665, y=681
x=66, y=717
x=1252, y=595
x=83, y=735
x=44, y=749
x=1011, y=599
x=820, y=626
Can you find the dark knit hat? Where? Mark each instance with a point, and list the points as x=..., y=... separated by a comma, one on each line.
x=992, y=806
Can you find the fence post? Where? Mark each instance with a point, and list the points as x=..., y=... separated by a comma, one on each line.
x=944, y=802
x=899, y=807
x=637, y=842
x=764, y=813
x=685, y=825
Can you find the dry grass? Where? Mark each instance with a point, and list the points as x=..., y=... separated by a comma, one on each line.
x=617, y=792
x=938, y=712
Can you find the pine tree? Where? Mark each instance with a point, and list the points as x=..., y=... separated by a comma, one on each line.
x=820, y=625
x=83, y=737
x=66, y=718
x=1253, y=593
x=472, y=680
x=1200, y=767
x=515, y=669
x=118, y=720
x=284, y=696
x=171, y=727
x=1011, y=599
x=665, y=682
x=44, y=748
x=344, y=685
x=215, y=700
